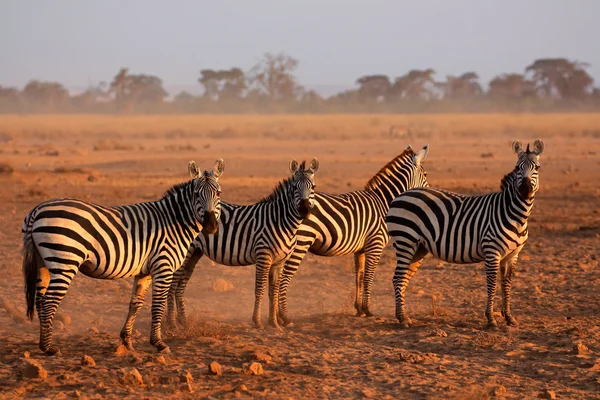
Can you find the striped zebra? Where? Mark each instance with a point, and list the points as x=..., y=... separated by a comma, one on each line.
x=466, y=229
x=354, y=223
x=263, y=234
x=146, y=240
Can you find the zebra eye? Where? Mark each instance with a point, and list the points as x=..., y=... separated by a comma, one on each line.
x=314, y=186
x=218, y=193
x=537, y=167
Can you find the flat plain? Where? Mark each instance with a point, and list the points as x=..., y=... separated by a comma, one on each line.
x=328, y=353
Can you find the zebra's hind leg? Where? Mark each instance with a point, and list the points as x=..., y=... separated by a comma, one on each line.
x=274, y=281
x=263, y=267
x=51, y=289
x=359, y=275
x=409, y=256
x=373, y=254
x=507, y=268
x=161, y=283
x=492, y=267
x=140, y=287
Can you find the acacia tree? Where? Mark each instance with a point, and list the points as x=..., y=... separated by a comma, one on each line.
x=461, y=87
x=373, y=87
x=511, y=86
x=45, y=96
x=273, y=76
x=416, y=84
x=223, y=84
x=559, y=77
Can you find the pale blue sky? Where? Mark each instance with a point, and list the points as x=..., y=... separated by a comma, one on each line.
x=81, y=41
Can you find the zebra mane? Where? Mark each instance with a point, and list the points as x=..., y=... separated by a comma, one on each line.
x=508, y=179
x=177, y=188
x=372, y=183
x=280, y=189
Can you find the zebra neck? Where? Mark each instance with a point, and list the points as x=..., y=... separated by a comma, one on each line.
x=386, y=186
x=178, y=210
x=519, y=208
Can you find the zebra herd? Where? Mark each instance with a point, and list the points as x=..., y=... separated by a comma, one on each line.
x=160, y=242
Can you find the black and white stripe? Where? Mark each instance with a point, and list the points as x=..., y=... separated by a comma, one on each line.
x=263, y=234
x=466, y=229
x=146, y=240
x=354, y=223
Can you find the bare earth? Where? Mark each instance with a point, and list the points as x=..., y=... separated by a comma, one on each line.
x=328, y=353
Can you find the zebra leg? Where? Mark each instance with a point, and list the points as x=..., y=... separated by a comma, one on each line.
x=171, y=298
x=492, y=267
x=289, y=270
x=51, y=289
x=372, y=260
x=160, y=289
x=263, y=267
x=359, y=275
x=274, y=281
x=140, y=287
x=507, y=268
x=409, y=257
x=184, y=277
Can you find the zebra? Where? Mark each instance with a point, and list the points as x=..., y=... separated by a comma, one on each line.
x=466, y=229
x=146, y=240
x=263, y=234
x=353, y=223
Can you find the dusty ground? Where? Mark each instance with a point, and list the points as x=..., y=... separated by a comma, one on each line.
x=329, y=352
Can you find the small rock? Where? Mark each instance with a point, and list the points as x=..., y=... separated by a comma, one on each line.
x=52, y=153
x=93, y=329
x=497, y=391
x=64, y=318
x=26, y=354
x=34, y=370
x=221, y=285
x=547, y=394
x=186, y=377
x=130, y=376
x=214, y=368
x=242, y=388
x=487, y=155
x=59, y=326
x=88, y=361
x=97, y=321
x=160, y=360
x=60, y=395
x=187, y=387
x=168, y=380
x=92, y=178
x=262, y=356
x=253, y=369
x=121, y=350
x=77, y=393
x=580, y=348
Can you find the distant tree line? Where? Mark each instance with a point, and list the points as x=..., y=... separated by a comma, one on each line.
x=549, y=84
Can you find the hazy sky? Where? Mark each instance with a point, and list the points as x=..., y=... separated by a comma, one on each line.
x=82, y=41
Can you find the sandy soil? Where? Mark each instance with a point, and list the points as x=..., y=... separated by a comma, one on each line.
x=329, y=352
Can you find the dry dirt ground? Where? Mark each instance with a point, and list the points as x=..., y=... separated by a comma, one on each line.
x=329, y=353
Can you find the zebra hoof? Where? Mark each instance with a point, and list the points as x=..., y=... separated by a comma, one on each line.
x=369, y=314
x=404, y=325
x=258, y=325
x=359, y=314
x=52, y=350
x=511, y=321
x=491, y=326
x=164, y=350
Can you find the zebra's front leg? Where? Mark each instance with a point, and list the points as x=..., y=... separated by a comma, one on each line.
x=161, y=283
x=289, y=270
x=359, y=275
x=140, y=287
x=507, y=272
x=492, y=267
x=409, y=257
x=372, y=260
x=274, y=281
x=51, y=289
x=263, y=266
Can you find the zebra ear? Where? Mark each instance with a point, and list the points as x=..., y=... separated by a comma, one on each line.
x=314, y=165
x=422, y=154
x=409, y=147
x=538, y=147
x=219, y=168
x=517, y=147
x=293, y=166
x=193, y=169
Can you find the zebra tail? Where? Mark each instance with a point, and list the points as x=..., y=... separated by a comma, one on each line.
x=30, y=273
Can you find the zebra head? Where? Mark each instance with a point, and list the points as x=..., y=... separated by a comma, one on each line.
x=527, y=168
x=418, y=174
x=303, y=185
x=207, y=194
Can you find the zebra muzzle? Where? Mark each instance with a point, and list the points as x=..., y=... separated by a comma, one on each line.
x=209, y=223
x=526, y=188
x=304, y=208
